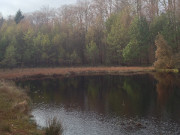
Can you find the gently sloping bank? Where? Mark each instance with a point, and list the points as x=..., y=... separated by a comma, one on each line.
x=14, y=112
x=48, y=72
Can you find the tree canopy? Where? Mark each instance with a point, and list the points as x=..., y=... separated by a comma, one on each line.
x=94, y=32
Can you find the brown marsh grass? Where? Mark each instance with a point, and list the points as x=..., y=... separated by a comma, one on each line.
x=40, y=72
x=14, y=108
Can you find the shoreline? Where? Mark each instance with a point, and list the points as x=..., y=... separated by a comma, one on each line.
x=15, y=118
x=19, y=73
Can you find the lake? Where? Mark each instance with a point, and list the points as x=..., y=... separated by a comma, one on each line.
x=108, y=104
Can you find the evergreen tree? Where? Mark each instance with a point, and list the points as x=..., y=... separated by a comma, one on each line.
x=10, y=59
x=137, y=48
x=92, y=52
x=118, y=36
x=18, y=16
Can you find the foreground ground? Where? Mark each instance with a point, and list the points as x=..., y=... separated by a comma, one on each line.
x=14, y=108
x=42, y=72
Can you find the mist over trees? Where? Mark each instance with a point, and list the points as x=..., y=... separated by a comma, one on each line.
x=91, y=32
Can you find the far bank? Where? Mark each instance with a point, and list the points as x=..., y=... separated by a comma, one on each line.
x=70, y=71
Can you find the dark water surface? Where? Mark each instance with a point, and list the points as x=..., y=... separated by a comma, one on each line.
x=108, y=104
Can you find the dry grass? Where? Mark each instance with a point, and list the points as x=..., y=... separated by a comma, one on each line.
x=27, y=72
x=14, y=118
x=54, y=127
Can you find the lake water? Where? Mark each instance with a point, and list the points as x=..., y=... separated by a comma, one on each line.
x=108, y=104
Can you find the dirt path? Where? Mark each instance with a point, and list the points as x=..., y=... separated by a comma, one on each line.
x=44, y=72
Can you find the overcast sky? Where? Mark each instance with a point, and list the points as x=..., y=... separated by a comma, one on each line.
x=10, y=7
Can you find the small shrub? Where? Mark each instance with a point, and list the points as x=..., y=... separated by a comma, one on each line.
x=54, y=127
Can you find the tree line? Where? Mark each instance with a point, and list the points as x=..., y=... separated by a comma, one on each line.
x=92, y=32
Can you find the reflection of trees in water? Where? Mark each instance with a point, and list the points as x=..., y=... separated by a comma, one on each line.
x=122, y=95
x=168, y=94
x=140, y=94
x=168, y=84
x=118, y=94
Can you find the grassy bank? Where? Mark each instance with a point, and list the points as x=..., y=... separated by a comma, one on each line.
x=42, y=72
x=14, y=109
x=167, y=70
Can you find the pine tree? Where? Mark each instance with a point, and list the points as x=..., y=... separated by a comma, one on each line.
x=18, y=16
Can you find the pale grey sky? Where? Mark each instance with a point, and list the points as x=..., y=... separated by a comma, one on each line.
x=10, y=7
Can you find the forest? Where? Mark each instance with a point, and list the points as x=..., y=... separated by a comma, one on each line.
x=93, y=33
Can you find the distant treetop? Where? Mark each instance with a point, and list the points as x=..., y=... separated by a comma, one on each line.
x=18, y=16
